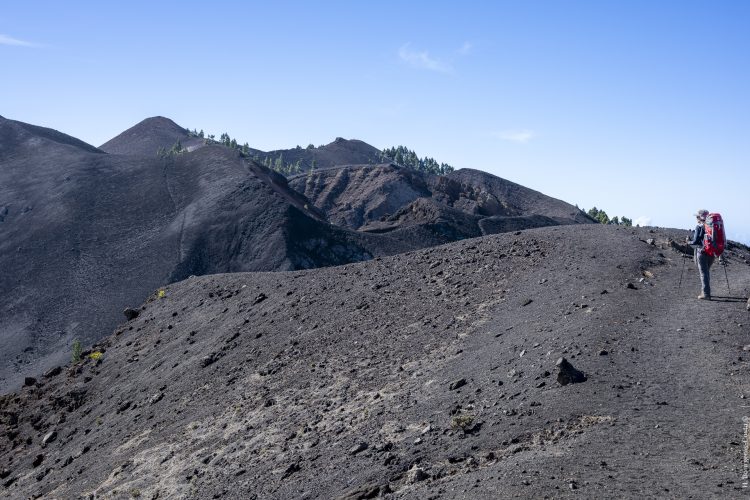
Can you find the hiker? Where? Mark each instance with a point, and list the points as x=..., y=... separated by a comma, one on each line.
x=702, y=259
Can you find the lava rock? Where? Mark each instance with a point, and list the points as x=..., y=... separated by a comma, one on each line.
x=457, y=384
x=358, y=448
x=417, y=474
x=27, y=381
x=130, y=313
x=53, y=372
x=49, y=437
x=567, y=374
x=208, y=360
x=291, y=470
x=38, y=460
x=370, y=490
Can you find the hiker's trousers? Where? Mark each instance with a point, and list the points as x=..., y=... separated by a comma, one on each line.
x=704, y=262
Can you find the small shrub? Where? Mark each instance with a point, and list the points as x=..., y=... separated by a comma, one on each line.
x=96, y=355
x=462, y=422
x=161, y=293
x=77, y=349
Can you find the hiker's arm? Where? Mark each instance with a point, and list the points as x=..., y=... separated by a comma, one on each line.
x=697, y=236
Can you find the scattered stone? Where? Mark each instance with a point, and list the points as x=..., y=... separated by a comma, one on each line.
x=416, y=475
x=49, y=437
x=746, y=348
x=208, y=360
x=130, y=313
x=603, y=352
x=651, y=241
x=567, y=374
x=53, y=372
x=38, y=460
x=748, y=304
x=526, y=302
x=426, y=429
x=27, y=381
x=630, y=286
x=358, y=448
x=4, y=473
x=260, y=298
x=370, y=490
x=291, y=470
x=457, y=384
x=155, y=398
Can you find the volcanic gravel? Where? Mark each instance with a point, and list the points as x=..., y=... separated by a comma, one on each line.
x=430, y=374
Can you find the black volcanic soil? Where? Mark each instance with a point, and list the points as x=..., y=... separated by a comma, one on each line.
x=415, y=206
x=339, y=152
x=428, y=374
x=84, y=234
x=146, y=137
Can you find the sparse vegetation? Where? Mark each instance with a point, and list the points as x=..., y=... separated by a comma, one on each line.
x=602, y=217
x=405, y=157
x=175, y=150
x=77, y=349
x=278, y=164
x=96, y=355
x=462, y=422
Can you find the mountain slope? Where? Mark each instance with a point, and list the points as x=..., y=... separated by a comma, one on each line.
x=422, y=375
x=390, y=199
x=85, y=234
x=339, y=152
x=146, y=137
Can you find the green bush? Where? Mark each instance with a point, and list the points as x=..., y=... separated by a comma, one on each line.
x=77, y=349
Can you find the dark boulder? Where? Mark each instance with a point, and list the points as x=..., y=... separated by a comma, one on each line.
x=567, y=374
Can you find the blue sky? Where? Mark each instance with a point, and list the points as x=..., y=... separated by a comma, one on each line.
x=639, y=108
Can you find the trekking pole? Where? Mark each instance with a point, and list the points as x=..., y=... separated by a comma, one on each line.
x=683, y=270
x=724, y=264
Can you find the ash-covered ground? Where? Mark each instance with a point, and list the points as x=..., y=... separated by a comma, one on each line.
x=429, y=374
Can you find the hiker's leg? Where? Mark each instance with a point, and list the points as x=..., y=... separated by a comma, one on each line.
x=704, y=263
x=696, y=259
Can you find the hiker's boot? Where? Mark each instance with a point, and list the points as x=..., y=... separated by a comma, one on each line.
x=703, y=296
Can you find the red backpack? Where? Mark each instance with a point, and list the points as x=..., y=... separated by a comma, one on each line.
x=715, y=238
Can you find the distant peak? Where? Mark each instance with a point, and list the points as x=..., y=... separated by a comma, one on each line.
x=160, y=121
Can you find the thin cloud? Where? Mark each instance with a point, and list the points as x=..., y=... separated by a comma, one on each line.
x=642, y=221
x=465, y=49
x=518, y=136
x=422, y=60
x=15, y=42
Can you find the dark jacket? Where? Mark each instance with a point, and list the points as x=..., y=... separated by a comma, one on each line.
x=697, y=239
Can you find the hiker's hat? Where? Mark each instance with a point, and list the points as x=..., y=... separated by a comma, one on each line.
x=701, y=214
